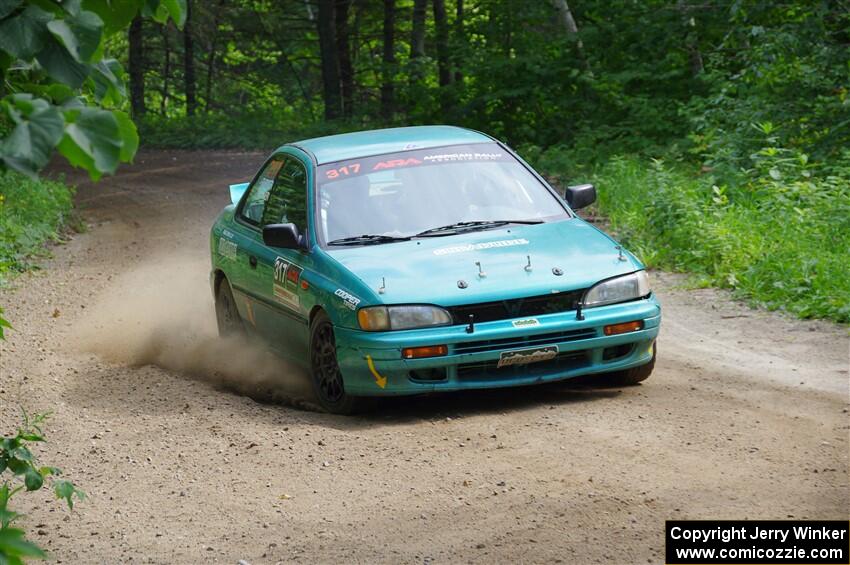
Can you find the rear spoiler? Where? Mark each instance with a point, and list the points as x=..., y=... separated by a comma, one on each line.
x=237, y=190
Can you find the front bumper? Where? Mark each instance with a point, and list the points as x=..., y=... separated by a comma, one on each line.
x=372, y=363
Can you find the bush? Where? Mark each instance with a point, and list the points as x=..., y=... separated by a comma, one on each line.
x=20, y=462
x=32, y=211
x=778, y=236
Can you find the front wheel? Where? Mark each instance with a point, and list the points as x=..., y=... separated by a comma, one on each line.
x=327, y=381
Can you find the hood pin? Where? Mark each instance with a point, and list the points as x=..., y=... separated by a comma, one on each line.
x=557, y=271
x=528, y=267
x=481, y=272
x=383, y=288
x=462, y=283
x=620, y=255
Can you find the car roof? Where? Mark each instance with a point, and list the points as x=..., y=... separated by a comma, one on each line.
x=344, y=146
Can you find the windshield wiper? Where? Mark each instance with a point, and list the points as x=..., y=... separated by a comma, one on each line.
x=470, y=226
x=367, y=239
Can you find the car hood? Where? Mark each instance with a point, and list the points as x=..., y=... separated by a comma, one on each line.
x=430, y=270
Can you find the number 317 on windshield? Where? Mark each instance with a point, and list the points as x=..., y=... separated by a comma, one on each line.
x=352, y=169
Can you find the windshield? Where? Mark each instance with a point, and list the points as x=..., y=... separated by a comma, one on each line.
x=404, y=194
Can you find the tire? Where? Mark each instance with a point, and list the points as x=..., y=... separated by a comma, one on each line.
x=633, y=376
x=226, y=313
x=325, y=374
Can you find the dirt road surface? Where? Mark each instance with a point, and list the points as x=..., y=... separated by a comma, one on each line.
x=746, y=416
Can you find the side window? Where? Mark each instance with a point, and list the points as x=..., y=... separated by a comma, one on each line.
x=287, y=202
x=258, y=193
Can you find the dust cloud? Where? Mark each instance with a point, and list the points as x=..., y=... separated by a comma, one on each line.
x=162, y=314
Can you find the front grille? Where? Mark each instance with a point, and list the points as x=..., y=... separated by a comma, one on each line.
x=517, y=307
x=489, y=370
x=523, y=341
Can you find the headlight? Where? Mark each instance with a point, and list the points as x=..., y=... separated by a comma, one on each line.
x=620, y=289
x=382, y=318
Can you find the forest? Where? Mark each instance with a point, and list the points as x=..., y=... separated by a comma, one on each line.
x=716, y=130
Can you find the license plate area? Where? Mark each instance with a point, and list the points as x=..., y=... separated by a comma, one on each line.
x=526, y=356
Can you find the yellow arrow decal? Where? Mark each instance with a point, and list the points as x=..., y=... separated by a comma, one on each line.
x=379, y=380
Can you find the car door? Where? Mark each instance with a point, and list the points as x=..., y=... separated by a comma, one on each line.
x=244, y=280
x=281, y=315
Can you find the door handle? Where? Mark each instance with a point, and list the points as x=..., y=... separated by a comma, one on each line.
x=252, y=260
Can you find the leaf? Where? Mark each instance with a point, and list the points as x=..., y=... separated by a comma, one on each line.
x=129, y=136
x=79, y=34
x=3, y=322
x=8, y=6
x=24, y=35
x=33, y=480
x=775, y=174
x=37, y=131
x=116, y=16
x=176, y=9
x=13, y=544
x=60, y=65
x=108, y=82
x=91, y=140
x=17, y=466
x=65, y=489
x=22, y=453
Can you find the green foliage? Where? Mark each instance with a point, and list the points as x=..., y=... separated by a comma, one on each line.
x=778, y=234
x=258, y=131
x=17, y=460
x=32, y=211
x=3, y=325
x=62, y=90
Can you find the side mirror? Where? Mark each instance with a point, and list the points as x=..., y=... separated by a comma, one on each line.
x=283, y=236
x=580, y=195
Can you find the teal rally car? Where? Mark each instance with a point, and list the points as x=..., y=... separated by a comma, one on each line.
x=423, y=259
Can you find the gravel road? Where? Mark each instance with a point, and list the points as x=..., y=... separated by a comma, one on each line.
x=188, y=458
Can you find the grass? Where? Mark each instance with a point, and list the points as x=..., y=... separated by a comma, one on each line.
x=32, y=212
x=778, y=235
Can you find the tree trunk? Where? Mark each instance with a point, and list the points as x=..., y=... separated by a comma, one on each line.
x=460, y=42
x=565, y=17
x=417, y=39
x=189, y=61
x=212, y=56
x=441, y=23
x=166, y=70
x=343, y=48
x=388, y=71
x=691, y=38
x=137, y=68
x=330, y=64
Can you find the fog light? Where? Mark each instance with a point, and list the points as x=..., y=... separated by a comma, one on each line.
x=623, y=328
x=429, y=351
